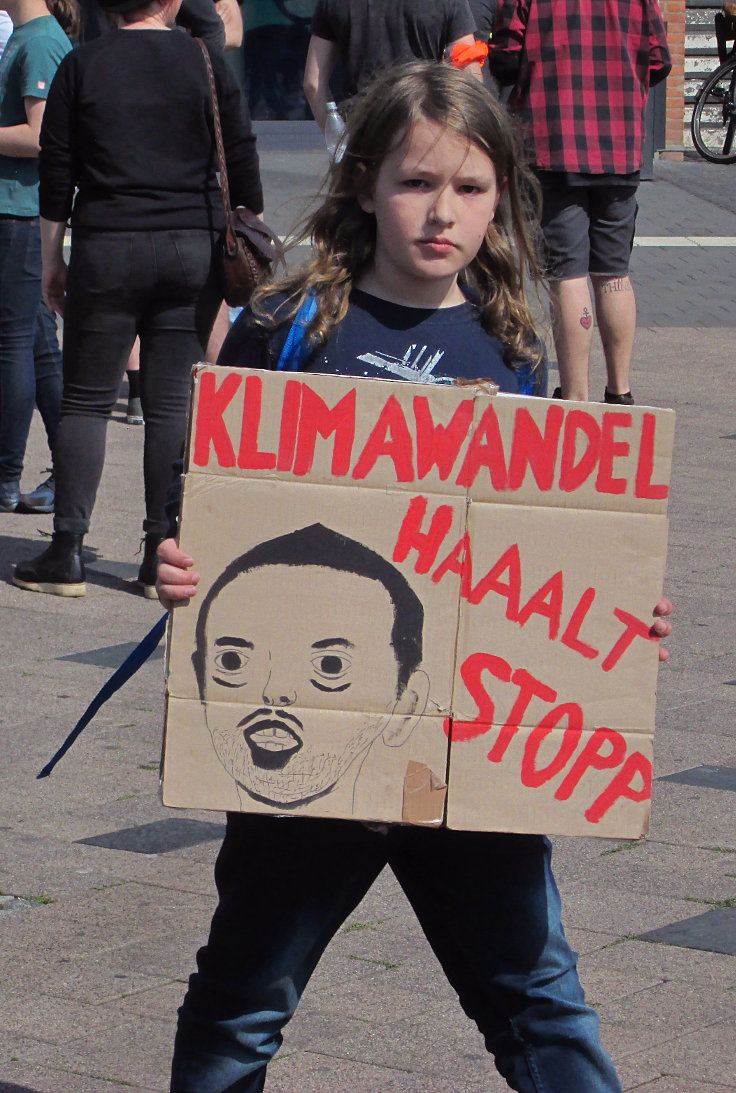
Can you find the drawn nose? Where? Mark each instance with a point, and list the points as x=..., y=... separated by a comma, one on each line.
x=279, y=700
x=275, y=694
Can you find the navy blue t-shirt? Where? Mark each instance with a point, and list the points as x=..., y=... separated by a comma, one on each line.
x=391, y=341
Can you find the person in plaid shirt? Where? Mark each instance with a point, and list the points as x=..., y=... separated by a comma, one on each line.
x=580, y=72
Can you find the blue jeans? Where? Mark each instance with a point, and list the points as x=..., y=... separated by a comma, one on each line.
x=487, y=903
x=30, y=361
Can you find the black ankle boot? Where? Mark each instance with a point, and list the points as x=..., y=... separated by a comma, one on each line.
x=627, y=399
x=59, y=571
x=149, y=566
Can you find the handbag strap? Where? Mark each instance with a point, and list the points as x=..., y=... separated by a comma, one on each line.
x=220, y=147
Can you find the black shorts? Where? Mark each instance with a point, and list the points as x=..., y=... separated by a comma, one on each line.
x=588, y=230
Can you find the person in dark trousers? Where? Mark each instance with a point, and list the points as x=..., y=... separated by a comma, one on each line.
x=129, y=127
x=580, y=72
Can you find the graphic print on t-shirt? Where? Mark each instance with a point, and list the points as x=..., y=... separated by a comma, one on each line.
x=379, y=339
x=411, y=366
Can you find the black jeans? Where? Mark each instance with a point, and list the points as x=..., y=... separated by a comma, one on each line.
x=164, y=287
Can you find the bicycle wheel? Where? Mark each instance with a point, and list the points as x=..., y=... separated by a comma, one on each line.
x=713, y=124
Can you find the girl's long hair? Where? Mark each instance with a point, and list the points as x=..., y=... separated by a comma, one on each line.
x=343, y=236
x=67, y=15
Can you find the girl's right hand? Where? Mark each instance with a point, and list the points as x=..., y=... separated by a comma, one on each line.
x=175, y=581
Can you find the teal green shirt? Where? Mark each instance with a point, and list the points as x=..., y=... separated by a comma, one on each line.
x=27, y=67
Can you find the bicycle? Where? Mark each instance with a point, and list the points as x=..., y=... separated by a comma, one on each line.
x=713, y=124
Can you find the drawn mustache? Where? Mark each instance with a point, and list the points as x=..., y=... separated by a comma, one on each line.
x=271, y=714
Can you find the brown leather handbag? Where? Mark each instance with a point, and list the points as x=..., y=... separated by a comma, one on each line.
x=248, y=247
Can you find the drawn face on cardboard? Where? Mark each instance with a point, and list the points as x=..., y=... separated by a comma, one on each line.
x=284, y=643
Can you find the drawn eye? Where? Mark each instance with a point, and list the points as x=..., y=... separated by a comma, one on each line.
x=331, y=665
x=231, y=661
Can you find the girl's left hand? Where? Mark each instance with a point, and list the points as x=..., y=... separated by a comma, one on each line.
x=662, y=627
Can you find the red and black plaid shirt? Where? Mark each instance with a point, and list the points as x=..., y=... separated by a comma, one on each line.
x=583, y=71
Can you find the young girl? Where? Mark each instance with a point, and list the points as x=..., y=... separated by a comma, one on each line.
x=30, y=361
x=421, y=246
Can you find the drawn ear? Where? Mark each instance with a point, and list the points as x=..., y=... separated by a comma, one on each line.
x=407, y=711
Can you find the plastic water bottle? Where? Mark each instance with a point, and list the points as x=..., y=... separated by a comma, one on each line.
x=334, y=129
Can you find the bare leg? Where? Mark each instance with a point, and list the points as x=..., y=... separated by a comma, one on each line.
x=615, y=309
x=572, y=329
x=218, y=333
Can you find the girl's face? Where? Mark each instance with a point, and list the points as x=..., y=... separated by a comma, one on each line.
x=433, y=199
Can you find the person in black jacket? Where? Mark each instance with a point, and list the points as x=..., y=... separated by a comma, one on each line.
x=128, y=126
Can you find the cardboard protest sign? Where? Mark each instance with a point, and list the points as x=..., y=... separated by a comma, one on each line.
x=419, y=603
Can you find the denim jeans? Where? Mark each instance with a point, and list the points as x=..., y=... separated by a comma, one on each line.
x=162, y=286
x=30, y=361
x=487, y=903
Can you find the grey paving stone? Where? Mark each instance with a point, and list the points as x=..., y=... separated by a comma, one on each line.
x=669, y=1084
x=159, y=1002
x=37, y=1079
x=49, y=1019
x=706, y=1054
x=661, y=1013
x=312, y=1072
x=635, y=958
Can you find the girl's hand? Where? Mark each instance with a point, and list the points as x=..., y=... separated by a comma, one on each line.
x=53, y=286
x=662, y=627
x=175, y=581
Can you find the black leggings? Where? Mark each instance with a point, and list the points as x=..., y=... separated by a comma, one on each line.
x=164, y=287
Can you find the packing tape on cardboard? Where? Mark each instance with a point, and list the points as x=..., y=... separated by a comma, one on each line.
x=424, y=796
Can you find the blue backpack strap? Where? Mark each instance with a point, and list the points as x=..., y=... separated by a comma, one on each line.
x=296, y=347
x=129, y=667
x=533, y=380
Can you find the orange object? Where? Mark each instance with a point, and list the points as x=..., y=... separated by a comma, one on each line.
x=463, y=54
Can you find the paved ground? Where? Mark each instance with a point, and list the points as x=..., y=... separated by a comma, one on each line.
x=101, y=914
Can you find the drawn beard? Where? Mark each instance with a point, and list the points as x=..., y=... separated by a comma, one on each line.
x=271, y=742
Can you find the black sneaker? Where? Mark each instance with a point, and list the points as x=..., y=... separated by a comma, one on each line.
x=627, y=399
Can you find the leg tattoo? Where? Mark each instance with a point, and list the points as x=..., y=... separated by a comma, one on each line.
x=620, y=284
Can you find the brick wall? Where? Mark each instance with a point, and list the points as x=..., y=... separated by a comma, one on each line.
x=673, y=12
